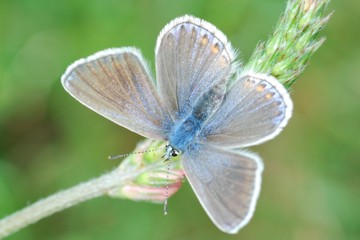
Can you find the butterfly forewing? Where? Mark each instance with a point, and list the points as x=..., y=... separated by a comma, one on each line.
x=255, y=109
x=226, y=183
x=116, y=84
x=192, y=56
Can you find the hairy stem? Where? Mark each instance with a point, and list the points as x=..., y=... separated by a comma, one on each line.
x=64, y=199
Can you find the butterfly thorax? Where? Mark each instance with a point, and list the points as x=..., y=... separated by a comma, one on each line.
x=186, y=131
x=183, y=135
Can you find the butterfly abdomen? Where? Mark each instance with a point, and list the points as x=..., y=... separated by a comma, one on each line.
x=209, y=102
x=183, y=134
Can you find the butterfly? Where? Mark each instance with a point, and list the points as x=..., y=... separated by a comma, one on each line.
x=200, y=104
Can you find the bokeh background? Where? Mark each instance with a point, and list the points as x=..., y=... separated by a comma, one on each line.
x=49, y=141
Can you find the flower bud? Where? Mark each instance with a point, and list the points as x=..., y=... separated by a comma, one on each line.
x=158, y=180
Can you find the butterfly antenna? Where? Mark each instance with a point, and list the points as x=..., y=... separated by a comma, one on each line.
x=133, y=153
x=167, y=186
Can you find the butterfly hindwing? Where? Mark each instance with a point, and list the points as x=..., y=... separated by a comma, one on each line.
x=255, y=109
x=192, y=57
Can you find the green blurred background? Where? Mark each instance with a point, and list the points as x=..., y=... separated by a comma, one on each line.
x=49, y=141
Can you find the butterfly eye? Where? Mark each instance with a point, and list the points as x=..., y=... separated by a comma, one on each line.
x=174, y=153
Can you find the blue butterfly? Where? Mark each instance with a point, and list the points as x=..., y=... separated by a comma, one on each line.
x=198, y=104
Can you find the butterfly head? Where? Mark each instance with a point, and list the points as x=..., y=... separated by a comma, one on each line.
x=170, y=152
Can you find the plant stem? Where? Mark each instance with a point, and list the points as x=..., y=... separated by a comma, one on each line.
x=295, y=39
x=67, y=198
